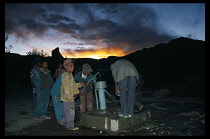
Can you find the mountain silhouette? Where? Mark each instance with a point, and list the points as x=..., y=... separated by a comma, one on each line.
x=181, y=60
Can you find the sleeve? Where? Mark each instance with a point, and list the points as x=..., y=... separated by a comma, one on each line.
x=76, y=78
x=35, y=78
x=51, y=80
x=114, y=74
x=75, y=86
x=91, y=77
x=116, y=86
x=78, y=85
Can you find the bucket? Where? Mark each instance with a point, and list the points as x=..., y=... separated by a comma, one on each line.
x=100, y=84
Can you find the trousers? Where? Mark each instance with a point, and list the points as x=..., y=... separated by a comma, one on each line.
x=69, y=114
x=86, y=101
x=58, y=107
x=127, y=88
x=42, y=103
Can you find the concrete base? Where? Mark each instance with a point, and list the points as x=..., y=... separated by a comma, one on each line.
x=104, y=120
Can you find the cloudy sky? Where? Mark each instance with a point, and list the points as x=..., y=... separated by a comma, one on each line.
x=96, y=30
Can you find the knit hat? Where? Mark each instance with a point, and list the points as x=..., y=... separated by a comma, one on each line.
x=86, y=67
x=67, y=61
x=37, y=60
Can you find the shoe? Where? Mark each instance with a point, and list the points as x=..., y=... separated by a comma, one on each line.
x=60, y=123
x=73, y=129
x=45, y=117
x=36, y=118
x=120, y=114
x=129, y=115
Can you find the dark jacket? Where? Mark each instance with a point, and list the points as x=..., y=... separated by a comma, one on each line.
x=123, y=68
x=78, y=78
x=46, y=79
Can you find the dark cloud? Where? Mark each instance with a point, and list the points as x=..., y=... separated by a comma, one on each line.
x=20, y=19
x=131, y=27
x=55, y=18
x=125, y=26
x=24, y=19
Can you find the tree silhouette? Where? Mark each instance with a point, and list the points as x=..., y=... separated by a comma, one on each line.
x=39, y=53
x=7, y=48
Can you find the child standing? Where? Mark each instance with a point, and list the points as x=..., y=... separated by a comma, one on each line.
x=68, y=89
x=43, y=93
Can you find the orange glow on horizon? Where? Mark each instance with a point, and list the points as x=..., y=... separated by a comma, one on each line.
x=95, y=54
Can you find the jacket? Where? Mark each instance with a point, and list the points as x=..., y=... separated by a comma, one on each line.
x=121, y=69
x=46, y=79
x=35, y=77
x=78, y=78
x=69, y=87
x=55, y=90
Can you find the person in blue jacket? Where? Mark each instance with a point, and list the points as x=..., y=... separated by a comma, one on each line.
x=86, y=92
x=35, y=78
x=43, y=86
x=55, y=93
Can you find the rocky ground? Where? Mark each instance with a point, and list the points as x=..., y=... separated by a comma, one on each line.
x=174, y=115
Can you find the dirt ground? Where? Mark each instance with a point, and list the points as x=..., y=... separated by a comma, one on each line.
x=174, y=115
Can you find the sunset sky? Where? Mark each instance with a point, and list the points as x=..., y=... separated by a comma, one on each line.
x=96, y=30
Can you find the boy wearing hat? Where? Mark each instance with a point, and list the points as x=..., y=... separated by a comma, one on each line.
x=69, y=88
x=86, y=95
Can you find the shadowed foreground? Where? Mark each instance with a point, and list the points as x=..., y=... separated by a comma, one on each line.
x=173, y=115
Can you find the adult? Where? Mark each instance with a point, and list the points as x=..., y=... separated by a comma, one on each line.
x=126, y=79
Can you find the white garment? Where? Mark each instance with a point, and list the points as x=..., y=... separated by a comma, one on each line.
x=84, y=76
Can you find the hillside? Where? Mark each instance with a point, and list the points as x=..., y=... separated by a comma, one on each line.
x=180, y=61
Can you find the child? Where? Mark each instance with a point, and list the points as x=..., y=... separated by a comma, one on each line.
x=68, y=89
x=43, y=93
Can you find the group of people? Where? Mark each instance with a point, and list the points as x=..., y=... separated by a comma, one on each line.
x=64, y=87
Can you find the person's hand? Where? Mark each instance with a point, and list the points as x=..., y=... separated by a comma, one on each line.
x=75, y=96
x=117, y=90
x=82, y=84
x=89, y=84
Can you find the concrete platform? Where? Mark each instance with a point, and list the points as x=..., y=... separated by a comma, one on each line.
x=104, y=120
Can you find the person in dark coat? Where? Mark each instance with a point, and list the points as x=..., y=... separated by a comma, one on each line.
x=126, y=79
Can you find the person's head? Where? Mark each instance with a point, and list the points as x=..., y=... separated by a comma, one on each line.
x=44, y=65
x=60, y=65
x=86, y=69
x=68, y=65
x=38, y=62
